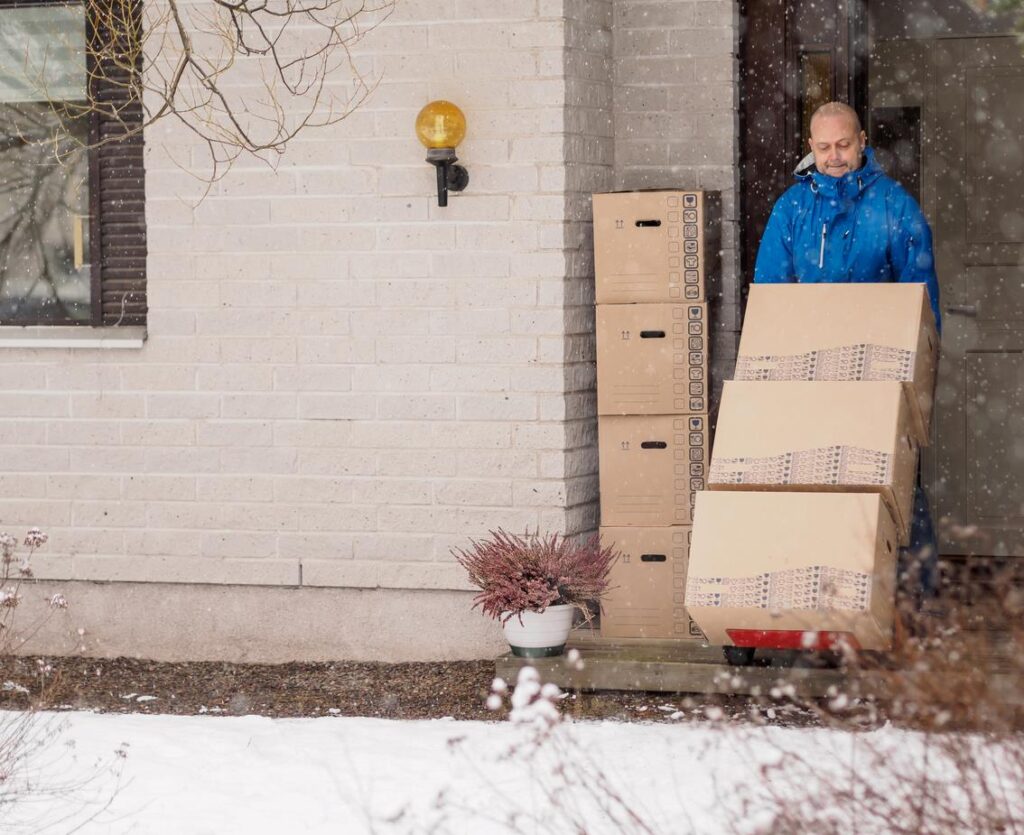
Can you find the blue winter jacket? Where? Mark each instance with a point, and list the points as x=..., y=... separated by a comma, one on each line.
x=863, y=226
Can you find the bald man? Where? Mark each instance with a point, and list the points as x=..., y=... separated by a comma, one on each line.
x=844, y=220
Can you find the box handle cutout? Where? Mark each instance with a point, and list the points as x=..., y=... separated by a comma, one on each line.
x=910, y=442
x=652, y=558
x=888, y=546
x=652, y=334
x=645, y=223
x=653, y=445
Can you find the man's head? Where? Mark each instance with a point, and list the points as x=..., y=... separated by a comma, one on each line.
x=837, y=140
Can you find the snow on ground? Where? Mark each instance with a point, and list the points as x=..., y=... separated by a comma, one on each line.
x=188, y=775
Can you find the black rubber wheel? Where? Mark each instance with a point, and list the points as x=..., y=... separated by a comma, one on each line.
x=739, y=656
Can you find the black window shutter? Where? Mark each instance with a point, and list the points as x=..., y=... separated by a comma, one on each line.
x=118, y=243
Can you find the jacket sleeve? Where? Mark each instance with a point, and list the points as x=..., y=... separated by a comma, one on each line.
x=774, y=263
x=911, y=248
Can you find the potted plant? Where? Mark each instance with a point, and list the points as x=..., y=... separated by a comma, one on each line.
x=534, y=584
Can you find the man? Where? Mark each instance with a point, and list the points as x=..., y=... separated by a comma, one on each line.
x=845, y=220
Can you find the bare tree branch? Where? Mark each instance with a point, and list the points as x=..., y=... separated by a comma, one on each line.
x=244, y=76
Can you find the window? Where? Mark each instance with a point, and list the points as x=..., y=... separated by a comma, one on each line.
x=72, y=209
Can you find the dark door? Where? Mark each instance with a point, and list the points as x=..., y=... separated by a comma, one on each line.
x=943, y=85
x=795, y=56
x=967, y=92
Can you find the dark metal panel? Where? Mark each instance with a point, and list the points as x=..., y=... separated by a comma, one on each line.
x=120, y=194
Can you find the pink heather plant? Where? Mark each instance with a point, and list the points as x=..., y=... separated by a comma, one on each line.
x=517, y=574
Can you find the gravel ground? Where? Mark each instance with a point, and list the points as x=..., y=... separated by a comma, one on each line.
x=395, y=691
x=459, y=689
x=413, y=691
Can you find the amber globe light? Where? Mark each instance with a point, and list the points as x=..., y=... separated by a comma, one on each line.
x=440, y=124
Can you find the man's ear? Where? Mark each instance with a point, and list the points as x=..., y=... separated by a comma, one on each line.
x=863, y=140
x=810, y=142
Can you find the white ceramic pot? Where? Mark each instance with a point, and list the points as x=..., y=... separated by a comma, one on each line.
x=541, y=634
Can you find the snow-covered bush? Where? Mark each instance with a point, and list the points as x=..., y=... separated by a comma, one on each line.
x=573, y=791
x=927, y=739
x=945, y=750
x=15, y=570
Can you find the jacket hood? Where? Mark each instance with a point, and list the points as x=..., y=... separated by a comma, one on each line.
x=850, y=185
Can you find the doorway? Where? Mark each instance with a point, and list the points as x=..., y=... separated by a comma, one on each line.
x=939, y=86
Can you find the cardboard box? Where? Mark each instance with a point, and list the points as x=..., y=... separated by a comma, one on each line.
x=818, y=437
x=648, y=584
x=770, y=568
x=843, y=332
x=650, y=468
x=652, y=359
x=656, y=246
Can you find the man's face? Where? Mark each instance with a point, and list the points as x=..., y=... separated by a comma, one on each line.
x=837, y=146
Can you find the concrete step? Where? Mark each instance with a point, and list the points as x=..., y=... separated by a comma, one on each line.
x=690, y=667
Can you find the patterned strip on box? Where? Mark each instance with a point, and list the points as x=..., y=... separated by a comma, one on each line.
x=688, y=469
x=823, y=465
x=817, y=587
x=694, y=399
x=680, y=549
x=690, y=289
x=850, y=362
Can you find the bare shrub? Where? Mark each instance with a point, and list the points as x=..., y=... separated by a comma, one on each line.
x=946, y=750
x=15, y=572
x=559, y=786
x=31, y=743
x=926, y=739
x=42, y=790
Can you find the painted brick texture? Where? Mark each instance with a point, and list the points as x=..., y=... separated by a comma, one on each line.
x=676, y=122
x=589, y=156
x=342, y=380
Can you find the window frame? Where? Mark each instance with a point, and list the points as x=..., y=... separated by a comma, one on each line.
x=117, y=238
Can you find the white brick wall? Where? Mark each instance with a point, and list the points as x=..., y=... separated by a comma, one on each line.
x=589, y=151
x=676, y=122
x=341, y=379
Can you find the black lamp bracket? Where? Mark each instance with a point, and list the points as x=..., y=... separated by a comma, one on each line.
x=450, y=177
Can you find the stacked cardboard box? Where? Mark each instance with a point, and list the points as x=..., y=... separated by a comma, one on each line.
x=656, y=254
x=812, y=477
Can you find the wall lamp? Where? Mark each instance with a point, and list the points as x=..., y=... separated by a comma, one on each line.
x=441, y=126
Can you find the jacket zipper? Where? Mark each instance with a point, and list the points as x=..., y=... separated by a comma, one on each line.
x=821, y=252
